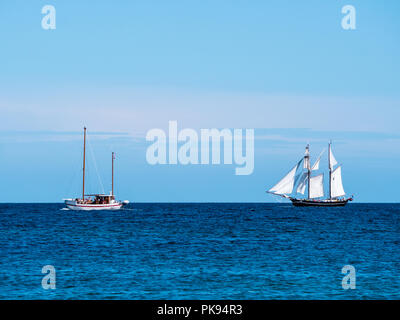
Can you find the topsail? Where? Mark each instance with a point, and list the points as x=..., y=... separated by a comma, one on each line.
x=332, y=160
x=316, y=164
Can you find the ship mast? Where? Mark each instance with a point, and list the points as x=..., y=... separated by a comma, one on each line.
x=330, y=171
x=112, y=174
x=84, y=154
x=307, y=165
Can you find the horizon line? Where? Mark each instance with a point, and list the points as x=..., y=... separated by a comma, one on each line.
x=198, y=202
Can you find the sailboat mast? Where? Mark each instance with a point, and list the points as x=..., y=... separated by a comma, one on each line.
x=112, y=174
x=307, y=162
x=330, y=171
x=84, y=154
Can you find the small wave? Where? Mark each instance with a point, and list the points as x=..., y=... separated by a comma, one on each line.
x=64, y=209
x=132, y=209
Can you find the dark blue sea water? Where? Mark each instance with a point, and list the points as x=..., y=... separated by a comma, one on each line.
x=200, y=251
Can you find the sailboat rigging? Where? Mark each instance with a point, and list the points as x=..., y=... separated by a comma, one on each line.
x=95, y=201
x=313, y=183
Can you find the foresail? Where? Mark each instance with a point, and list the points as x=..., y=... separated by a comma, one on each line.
x=285, y=186
x=317, y=186
x=336, y=183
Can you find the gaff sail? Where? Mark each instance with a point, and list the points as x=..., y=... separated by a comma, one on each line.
x=336, y=183
x=332, y=160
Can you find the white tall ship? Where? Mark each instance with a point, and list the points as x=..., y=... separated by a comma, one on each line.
x=95, y=201
x=301, y=178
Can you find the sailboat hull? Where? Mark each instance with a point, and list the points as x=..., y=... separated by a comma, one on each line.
x=319, y=203
x=74, y=205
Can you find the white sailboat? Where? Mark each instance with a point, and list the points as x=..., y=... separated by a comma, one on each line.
x=94, y=201
x=313, y=183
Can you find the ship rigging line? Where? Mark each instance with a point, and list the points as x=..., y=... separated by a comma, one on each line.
x=95, y=164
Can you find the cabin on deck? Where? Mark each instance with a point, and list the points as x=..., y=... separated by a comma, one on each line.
x=97, y=199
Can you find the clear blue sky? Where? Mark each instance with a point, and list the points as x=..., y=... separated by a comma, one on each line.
x=285, y=68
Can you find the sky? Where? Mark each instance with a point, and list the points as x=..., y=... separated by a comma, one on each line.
x=286, y=69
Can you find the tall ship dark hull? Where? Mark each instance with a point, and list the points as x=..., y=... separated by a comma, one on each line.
x=319, y=203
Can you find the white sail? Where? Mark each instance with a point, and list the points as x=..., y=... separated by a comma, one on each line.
x=332, y=160
x=316, y=165
x=336, y=183
x=317, y=186
x=285, y=186
x=301, y=188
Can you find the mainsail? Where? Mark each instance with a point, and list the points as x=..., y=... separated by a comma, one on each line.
x=336, y=183
x=285, y=186
x=317, y=186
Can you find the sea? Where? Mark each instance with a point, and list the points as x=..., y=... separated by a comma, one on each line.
x=200, y=251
